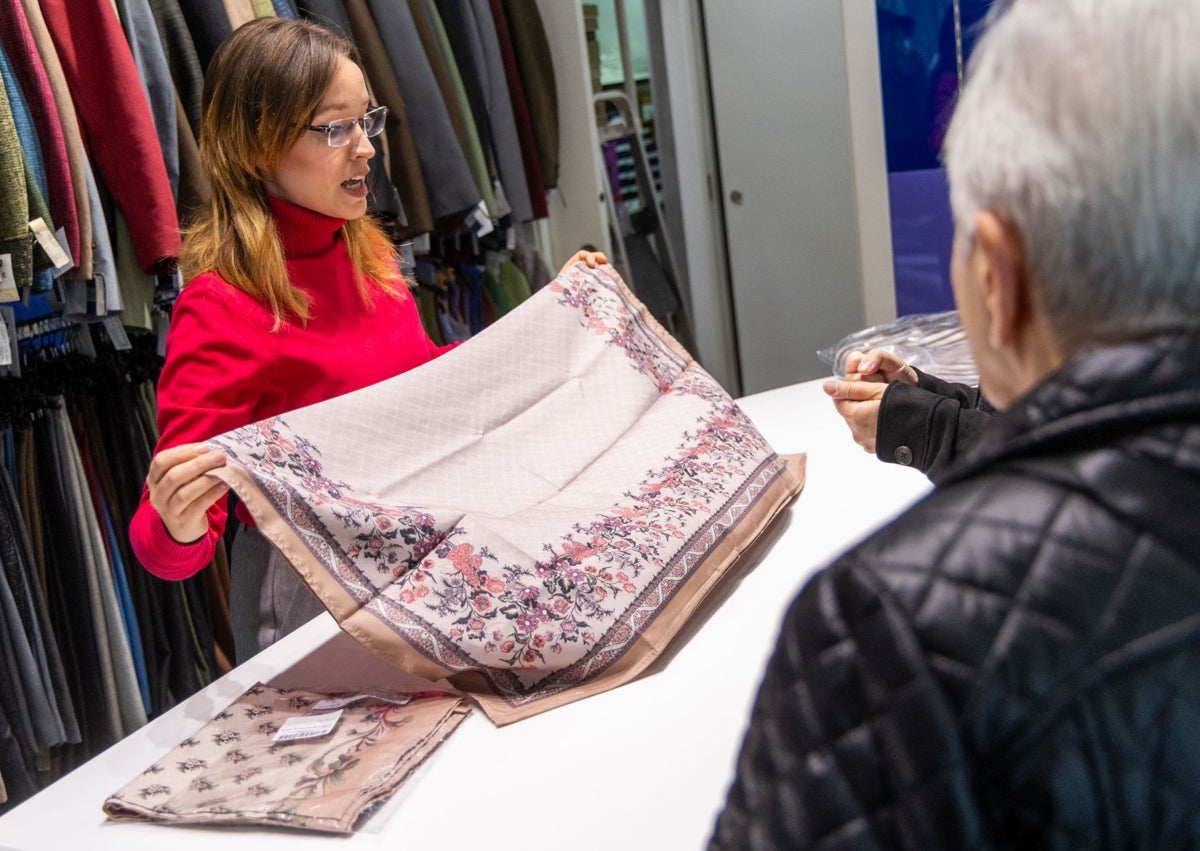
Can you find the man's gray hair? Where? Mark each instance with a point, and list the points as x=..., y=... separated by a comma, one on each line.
x=1079, y=124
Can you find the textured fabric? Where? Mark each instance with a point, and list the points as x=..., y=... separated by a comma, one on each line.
x=520, y=108
x=238, y=12
x=928, y=425
x=536, y=64
x=182, y=59
x=448, y=181
x=538, y=527
x=225, y=366
x=112, y=642
x=194, y=188
x=69, y=123
x=16, y=245
x=146, y=45
x=18, y=42
x=1011, y=663
x=441, y=58
x=209, y=26
x=104, y=258
x=116, y=121
x=402, y=151
x=232, y=772
x=498, y=104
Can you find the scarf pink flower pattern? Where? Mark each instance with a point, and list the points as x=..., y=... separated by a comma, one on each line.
x=534, y=514
x=234, y=771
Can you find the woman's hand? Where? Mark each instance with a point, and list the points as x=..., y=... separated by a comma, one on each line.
x=591, y=258
x=181, y=493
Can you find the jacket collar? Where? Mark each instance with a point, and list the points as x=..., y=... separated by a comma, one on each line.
x=1096, y=395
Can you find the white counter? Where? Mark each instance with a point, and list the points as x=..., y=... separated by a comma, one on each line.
x=645, y=766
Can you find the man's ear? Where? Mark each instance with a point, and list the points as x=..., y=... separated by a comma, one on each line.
x=1000, y=269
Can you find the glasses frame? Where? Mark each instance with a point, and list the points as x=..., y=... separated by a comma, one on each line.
x=348, y=123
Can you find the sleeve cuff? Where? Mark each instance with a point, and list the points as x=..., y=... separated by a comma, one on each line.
x=904, y=412
x=166, y=558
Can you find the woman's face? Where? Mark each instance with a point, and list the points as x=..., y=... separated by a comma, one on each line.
x=329, y=180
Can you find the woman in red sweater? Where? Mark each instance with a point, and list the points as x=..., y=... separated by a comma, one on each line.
x=294, y=296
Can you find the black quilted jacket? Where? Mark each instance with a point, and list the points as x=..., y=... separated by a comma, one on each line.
x=1015, y=662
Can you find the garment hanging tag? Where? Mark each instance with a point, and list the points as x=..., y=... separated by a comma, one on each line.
x=8, y=280
x=421, y=244
x=8, y=338
x=98, y=294
x=479, y=221
x=116, y=333
x=61, y=260
x=510, y=239
x=60, y=236
x=307, y=727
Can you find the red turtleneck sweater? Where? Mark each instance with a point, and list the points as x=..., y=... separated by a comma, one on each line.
x=225, y=367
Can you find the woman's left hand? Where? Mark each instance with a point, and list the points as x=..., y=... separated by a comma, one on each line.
x=591, y=258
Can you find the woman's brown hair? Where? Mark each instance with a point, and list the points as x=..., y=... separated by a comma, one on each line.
x=262, y=88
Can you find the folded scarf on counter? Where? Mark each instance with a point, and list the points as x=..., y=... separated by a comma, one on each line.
x=235, y=771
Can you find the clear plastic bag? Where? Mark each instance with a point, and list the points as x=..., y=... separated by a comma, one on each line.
x=932, y=342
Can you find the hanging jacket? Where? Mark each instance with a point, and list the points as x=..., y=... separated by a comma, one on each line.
x=1012, y=662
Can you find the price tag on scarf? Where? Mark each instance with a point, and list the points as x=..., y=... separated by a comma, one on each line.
x=307, y=727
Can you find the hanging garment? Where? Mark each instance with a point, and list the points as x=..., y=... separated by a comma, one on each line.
x=565, y=514
x=35, y=174
x=536, y=64
x=119, y=129
x=506, y=141
x=520, y=108
x=16, y=246
x=18, y=42
x=441, y=60
x=238, y=11
x=405, y=165
x=145, y=44
x=233, y=771
x=65, y=110
x=447, y=176
x=182, y=59
x=209, y=26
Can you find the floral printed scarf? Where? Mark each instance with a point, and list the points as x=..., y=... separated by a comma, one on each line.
x=533, y=515
x=233, y=771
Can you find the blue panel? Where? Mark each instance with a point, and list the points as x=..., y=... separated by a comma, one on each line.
x=922, y=236
x=919, y=65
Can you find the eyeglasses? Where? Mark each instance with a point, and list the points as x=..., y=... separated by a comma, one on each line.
x=339, y=133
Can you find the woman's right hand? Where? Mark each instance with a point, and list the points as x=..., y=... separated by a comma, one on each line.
x=181, y=493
